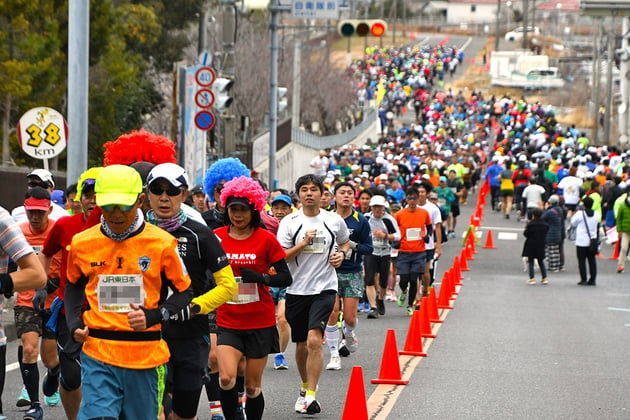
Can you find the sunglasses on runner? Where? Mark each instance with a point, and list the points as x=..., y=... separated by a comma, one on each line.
x=111, y=207
x=158, y=189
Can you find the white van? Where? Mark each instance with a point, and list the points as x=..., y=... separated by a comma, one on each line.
x=517, y=33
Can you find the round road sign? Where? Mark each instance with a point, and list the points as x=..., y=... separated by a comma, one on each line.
x=204, y=120
x=42, y=133
x=204, y=98
x=205, y=76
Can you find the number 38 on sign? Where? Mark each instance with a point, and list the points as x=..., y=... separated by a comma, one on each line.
x=42, y=133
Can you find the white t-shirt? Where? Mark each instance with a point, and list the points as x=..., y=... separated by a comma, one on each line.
x=533, y=195
x=319, y=165
x=311, y=271
x=436, y=217
x=570, y=186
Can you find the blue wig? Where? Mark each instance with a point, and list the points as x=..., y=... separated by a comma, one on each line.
x=223, y=170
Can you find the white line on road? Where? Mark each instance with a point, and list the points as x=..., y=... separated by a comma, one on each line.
x=619, y=309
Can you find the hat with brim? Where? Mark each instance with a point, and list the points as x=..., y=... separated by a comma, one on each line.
x=241, y=201
x=282, y=198
x=379, y=200
x=117, y=184
x=44, y=175
x=33, y=203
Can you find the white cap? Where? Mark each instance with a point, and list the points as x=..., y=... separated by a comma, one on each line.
x=379, y=200
x=171, y=172
x=44, y=175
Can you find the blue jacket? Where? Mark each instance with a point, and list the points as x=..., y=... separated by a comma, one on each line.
x=554, y=217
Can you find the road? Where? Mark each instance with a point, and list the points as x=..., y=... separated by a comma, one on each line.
x=505, y=350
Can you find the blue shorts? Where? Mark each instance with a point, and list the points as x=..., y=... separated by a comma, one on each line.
x=121, y=393
x=278, y=293
x=411, y=262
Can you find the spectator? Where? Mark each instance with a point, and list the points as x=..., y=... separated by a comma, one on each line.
x=587, y=224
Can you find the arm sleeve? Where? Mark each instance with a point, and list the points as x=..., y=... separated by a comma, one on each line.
x=73, y=300
x=223, y=291
x=283, y=277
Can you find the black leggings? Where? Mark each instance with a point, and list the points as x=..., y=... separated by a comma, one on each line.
x=410, y=280
x=375, y=264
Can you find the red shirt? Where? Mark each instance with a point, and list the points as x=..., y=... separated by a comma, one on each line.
x=257, y=253
x=59, y=239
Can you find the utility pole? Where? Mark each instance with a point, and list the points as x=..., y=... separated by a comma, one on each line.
x=596, y=78
x=297, y=84
x=498, y=28
x=273, y=96
x=609, y=82
x=78, y=86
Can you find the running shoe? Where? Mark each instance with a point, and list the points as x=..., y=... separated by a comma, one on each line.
x=351, y=342
x=34, y=413
x=23, y=400
x=409, y=310
x=380, y=306
x=53, y=400
x=531, y=281
x=280, y=363
x=50, y=385
x=373, y=314
x=299, y=404
x=343, y=350
x=335, y=363
x=402, y=298
x=311, y=406
x=544, y=281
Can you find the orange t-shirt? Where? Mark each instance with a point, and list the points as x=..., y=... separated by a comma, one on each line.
x=119, y=272
x=36, y=240
x=413, y=229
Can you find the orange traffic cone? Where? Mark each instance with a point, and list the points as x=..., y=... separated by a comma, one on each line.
x=615, y=255
x=390, y=365
x=468, y=254
x=473, y=243
x=463, y=263
x=413, y=343
x=356, y=403
x=444, y=299
x=425, y=324
x=454, y=277
x=434, y=315
x=452, y=284
x=489, y=243
x=455, y=268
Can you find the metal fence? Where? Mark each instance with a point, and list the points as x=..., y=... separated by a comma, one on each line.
x=316, y=142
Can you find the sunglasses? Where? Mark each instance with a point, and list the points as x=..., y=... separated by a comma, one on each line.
x=33, y=184
x=171, y=191
x=111, y=207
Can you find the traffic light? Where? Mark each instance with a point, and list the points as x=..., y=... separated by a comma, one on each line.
x=221, y=88
x=366, y=27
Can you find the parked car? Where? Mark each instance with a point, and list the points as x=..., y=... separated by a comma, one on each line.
x=536, y=78
x=517, y=33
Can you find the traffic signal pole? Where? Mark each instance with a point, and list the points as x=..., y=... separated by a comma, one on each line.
x=273, y=94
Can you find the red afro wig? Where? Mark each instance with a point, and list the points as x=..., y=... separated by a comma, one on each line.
x=139, y=146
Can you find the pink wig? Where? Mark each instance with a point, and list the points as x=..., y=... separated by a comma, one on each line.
x=247, y=188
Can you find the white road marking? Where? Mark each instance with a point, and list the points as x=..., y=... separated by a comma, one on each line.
x=507, y=236
x=619, y=309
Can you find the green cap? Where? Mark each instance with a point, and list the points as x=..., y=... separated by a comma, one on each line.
x=117, y=184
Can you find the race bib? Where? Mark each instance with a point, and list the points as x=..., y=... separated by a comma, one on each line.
x=317, y=244
x=413, y=234
x=116, y=292
x=246, y=293
x=379, y=242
